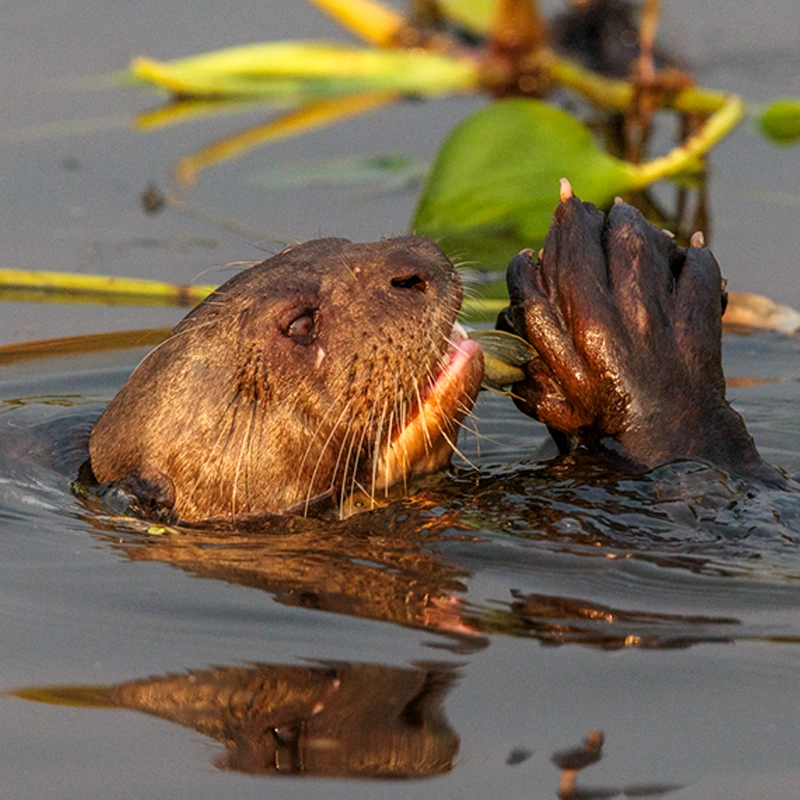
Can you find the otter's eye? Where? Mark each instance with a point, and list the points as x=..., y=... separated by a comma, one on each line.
x=415, y=282
x=303, y=328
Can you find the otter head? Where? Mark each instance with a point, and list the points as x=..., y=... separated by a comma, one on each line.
x=328, y=369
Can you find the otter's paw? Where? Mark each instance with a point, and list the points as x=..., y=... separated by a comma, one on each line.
x=627, y=325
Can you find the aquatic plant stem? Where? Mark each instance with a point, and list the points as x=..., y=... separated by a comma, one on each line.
x=308, y=117
x=616, y=95
x=110, y=289
x=69, y=287
x=371, y=21
x=680, y=158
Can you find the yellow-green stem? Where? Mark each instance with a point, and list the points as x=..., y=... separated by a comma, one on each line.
x=107, y=287
x=680, y=158
x=616, y=95
x=373, y=22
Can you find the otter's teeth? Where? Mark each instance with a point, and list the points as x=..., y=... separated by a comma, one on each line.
x=566, y=190
x=459, y=331
x=697, y=239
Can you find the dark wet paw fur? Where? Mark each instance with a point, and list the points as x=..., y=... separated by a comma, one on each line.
x=628, y=328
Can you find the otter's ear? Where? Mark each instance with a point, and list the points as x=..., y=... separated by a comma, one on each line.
x=144, y=493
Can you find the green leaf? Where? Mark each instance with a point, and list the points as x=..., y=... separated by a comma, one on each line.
x=504, y=355
x=308, y=69
x=780, y=120
x=498, y=173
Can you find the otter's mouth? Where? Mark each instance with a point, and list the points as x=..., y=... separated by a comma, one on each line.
x=425, y=442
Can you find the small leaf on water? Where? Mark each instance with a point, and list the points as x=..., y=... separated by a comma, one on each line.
x=391, y=171
x=780, y=120
x=500, y=168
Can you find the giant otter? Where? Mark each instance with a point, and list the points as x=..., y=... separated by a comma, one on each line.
x=333, y=370
x=627, y=325
x=329, y=369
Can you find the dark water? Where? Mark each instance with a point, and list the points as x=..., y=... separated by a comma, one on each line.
x=494, y=614
x=497, y=617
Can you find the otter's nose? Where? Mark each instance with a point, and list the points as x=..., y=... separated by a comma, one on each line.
x=414, y=281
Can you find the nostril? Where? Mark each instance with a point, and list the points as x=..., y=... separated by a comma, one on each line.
x=415, y=282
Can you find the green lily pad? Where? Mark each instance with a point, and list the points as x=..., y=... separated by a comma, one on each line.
x=498, y=172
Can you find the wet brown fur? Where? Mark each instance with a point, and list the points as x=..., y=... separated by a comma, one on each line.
x=240, y=413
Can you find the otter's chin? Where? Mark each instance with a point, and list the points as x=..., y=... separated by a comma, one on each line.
x=425, y=442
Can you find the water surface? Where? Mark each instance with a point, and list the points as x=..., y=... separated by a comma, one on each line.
x=498, y=616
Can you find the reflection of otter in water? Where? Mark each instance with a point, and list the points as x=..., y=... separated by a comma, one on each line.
x=328, y=369
x=329, y=720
